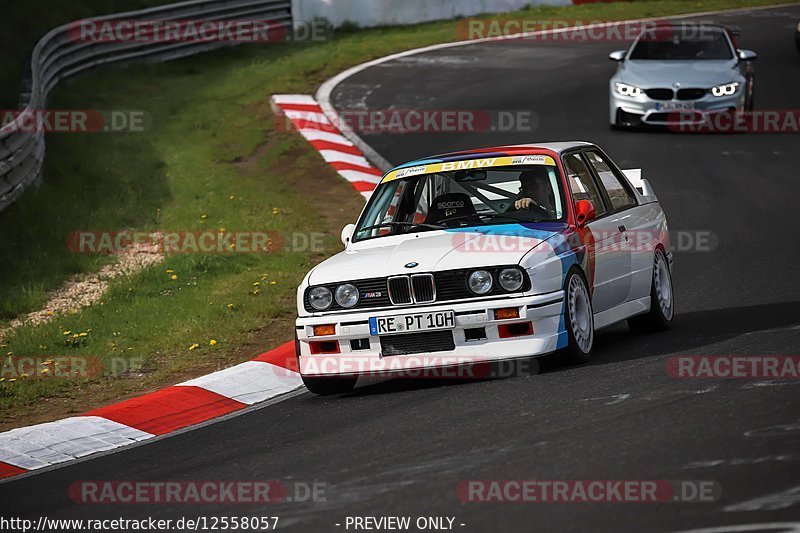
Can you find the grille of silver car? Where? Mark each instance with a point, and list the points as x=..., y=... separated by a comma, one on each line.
x=691, y=94
x=660, y=94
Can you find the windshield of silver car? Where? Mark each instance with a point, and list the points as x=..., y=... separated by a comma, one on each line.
x=688, y=43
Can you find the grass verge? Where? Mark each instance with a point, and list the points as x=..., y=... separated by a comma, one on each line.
x=212, y=158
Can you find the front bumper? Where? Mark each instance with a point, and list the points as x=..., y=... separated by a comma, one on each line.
x=361, y=353
x=642, y=110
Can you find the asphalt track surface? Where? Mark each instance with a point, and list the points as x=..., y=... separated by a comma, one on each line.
x=401, y=448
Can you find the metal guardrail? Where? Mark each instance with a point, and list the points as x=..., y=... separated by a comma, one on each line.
x=57, y=56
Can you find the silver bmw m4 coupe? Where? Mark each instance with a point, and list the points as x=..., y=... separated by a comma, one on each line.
x=680, y=73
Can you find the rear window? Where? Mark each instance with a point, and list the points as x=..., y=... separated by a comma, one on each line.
x=682, y=43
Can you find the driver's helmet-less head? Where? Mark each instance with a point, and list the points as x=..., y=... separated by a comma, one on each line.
x=534, y=180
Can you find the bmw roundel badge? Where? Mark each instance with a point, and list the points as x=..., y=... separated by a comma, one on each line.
x=412, y=264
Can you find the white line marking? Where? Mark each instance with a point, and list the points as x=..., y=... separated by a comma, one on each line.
x=319, y=135
x=332, y=156
x=302, y=99
x=249, y=382
x=355, y=175
x=43, y=445
x=307, y=116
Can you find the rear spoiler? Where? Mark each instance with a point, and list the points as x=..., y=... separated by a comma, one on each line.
x=642, y=185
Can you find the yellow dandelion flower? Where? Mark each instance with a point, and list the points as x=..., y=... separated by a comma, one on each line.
x=12, y=380
x=194, y=347
x=2, y=380
x=67, y=332
x=222, y=230
x=44, y=371
x=273, y=282
x=212, y=342
x=170, y=271
x=231, y=197
x=23, y=375
x=256, y=284
x=230, y=306
x=274, y=210
x=203, y=217
x=173, y=277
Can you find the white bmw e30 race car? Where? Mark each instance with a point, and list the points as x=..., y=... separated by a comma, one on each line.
x=486, y=255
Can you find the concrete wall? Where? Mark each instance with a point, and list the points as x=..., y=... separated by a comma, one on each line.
x=367, y=13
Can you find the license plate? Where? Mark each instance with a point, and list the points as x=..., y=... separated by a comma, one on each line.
x=674, y=106
x=387, y=325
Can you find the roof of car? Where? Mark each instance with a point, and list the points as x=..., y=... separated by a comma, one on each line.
x=506, y=150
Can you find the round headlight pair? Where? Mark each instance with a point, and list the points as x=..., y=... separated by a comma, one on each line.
x=481, y=281
x=321, y=298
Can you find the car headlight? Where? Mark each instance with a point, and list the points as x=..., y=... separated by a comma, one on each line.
x=480, y=282
x=320, y=298
x=510, y=279
x=725, y=90
x=628, y=90
x=347, y=295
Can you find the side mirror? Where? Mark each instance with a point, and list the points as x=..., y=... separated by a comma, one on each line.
x=617, y=55
x=584, y=212
x=746, y=55
x=347, y=233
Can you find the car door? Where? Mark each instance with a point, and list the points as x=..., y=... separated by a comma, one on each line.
x=630, y=217
x=641, y=222
x=612, y=266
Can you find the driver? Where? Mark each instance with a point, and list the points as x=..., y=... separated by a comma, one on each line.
x=535, y=191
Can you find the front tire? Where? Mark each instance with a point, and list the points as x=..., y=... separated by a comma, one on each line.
x=579, y=319
x=330, y=385
x=662, y=300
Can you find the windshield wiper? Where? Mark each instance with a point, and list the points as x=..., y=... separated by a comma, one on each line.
x=396, y=224
x=514, y=216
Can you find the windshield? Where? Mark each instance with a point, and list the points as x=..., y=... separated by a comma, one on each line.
x=683, y=43
x=463, y=199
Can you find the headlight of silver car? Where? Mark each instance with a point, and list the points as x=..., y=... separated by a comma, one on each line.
x=320, y=298
x=510, y=279
x=347, y=295
x=480, y=282
x=628, y=90
x=725, y=90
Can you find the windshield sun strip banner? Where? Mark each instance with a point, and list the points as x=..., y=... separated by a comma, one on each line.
x=469, y=164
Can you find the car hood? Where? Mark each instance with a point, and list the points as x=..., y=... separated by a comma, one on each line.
x=653, y=74
x=434, y=251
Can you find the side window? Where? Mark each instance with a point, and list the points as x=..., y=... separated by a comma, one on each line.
x=582, y=184
x=619, y=195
